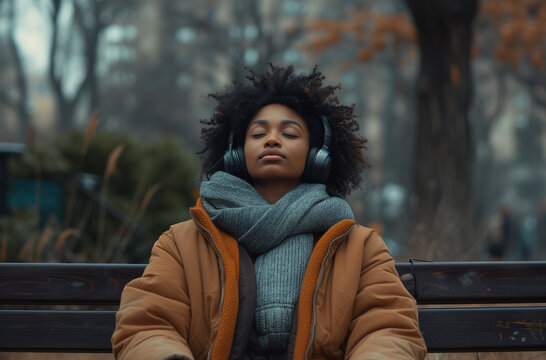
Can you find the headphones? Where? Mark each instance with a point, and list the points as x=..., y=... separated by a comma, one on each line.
x=317, y=165
x=234, y=160
x=319, y=161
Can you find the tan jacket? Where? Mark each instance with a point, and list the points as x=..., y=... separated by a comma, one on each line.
x=352, y=304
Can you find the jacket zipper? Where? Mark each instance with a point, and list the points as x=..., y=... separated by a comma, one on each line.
x=321, y=276
x=222, y=276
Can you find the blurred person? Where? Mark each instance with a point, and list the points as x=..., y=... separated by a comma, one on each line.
x=272, y=264
x=499, y=233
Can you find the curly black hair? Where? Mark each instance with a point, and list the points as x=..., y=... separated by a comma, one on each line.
x=304, y=94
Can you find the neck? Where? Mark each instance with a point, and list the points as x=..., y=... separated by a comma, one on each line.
x=273, y=190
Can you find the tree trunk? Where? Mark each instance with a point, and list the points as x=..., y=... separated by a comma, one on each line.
x=90, y=31
x=23, y=102
x=443, y=153
x=63, y=107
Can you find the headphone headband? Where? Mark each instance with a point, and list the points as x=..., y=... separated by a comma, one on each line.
x=234, y=159
x=327, y=132
x=230, y=141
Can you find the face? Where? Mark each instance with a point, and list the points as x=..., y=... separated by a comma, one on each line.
x=276, y=145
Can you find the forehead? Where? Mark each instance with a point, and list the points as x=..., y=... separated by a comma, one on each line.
x=277, y=113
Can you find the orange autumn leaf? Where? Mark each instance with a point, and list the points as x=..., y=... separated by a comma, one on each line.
x=373, y=32
x=364, y=54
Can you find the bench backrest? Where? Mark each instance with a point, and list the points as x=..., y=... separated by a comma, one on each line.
x=470, y=306
x=479, y=306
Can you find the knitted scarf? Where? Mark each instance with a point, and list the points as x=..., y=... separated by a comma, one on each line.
x=281, y=235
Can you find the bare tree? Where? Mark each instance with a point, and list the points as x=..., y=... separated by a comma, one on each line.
x=89, y=18
x=17, y=100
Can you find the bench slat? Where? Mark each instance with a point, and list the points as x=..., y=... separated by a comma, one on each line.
x=476, y=282
x=56, y=330
x=43, y=283
x=484, y=329
x=449, y=282
x=444, y=330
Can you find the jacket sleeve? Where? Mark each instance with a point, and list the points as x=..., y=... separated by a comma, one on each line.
x=384, y=324
x=145, y=328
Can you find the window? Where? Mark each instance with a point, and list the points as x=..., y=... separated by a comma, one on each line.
x=251, y=56
x=119, y=33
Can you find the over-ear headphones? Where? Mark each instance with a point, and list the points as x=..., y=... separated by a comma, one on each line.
x=234, y=160
x=317, y=165
x=319, y=161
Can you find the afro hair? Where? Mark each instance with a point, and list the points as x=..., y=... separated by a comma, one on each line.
x=305, y=94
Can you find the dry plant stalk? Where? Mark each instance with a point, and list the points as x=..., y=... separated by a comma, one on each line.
x=4, y=247
x=142, y=181
x=62, y=238
x=128, y=231
x=78, y=231
x=47, y=233
x=110, y=169
x=24, y=250
x=92, y=124
x=112, y=161
x=147, y=198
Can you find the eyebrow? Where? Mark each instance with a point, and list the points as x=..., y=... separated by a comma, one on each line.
x=284, y=122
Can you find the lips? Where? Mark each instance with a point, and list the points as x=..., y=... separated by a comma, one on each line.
x=271, y=152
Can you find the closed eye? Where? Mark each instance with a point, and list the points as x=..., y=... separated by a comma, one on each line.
x=257, y=136
x=291, y=136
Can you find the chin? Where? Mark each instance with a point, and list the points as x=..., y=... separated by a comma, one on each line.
x=274, y=176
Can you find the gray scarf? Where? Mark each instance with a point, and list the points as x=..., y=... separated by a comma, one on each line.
x=281, y=234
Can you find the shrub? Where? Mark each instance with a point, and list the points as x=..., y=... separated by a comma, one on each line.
x=141, y=188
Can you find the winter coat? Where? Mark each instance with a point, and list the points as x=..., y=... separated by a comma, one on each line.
x=189, y=302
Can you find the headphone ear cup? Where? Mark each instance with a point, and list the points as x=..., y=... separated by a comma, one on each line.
x=309, y=165
x=317, y=166
x=228, y=161
x=234, y=162
x=326, y=160
x=242, y=171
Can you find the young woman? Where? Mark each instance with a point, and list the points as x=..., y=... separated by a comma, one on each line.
x=272, y=264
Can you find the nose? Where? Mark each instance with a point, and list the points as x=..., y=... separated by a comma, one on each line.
x=272, y=140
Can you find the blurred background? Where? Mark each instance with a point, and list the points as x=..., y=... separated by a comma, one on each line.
x=100, y=103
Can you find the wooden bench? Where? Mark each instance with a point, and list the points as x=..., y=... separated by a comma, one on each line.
x=463, y=306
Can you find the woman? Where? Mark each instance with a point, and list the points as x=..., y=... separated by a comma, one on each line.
x=272, y=264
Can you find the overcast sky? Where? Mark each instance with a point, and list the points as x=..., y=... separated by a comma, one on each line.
x=32, y=36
